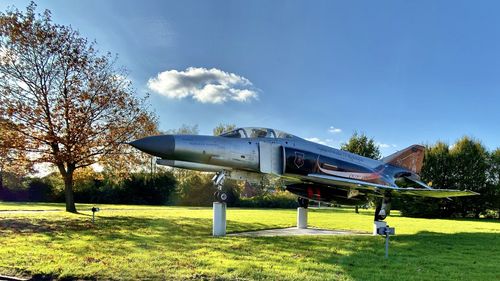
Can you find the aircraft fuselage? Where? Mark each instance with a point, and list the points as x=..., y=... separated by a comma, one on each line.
x=310, y=170
x=293, y=159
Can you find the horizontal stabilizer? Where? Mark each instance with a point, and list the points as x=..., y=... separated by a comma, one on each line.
x=380, y=188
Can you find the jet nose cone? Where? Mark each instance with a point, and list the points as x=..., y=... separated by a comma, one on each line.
x=161, y=146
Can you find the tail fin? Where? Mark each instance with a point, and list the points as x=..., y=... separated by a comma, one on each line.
x=410, y=158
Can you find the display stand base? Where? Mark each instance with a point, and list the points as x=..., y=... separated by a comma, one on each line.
x=378, y=224
x=301, y=218
x=219, y=220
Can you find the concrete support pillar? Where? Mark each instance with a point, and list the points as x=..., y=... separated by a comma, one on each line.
x=301, y=217
x=219, y=220
x=378, y=224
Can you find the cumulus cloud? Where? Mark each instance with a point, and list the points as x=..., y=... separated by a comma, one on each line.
x=317, y=140
x=385, y=145
x=327, y=142
x=334, y=130
x=203, y=85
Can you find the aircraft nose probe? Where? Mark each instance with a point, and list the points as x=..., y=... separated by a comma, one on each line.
x=160, y=146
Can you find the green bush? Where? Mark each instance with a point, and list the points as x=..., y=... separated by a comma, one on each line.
x=40, y=190
x=141, y=189
x=420, y=207
x=280, y=199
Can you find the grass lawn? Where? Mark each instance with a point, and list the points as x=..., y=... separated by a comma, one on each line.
x=150, y=242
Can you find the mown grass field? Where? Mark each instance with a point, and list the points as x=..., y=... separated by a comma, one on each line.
x=174, y=243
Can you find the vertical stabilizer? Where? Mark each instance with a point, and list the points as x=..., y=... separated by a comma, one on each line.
x=410, y=158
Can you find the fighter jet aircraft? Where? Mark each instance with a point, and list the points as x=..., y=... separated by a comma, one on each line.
x=310, y=170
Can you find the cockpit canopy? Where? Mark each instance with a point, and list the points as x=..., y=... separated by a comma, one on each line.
x=254, y=132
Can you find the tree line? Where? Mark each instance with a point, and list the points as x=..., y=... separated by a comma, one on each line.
x=466, y=164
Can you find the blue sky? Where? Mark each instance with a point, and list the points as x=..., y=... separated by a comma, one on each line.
x=403, y=72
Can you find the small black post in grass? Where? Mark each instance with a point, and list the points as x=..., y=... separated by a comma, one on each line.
x=94, y=210
x=386, y=230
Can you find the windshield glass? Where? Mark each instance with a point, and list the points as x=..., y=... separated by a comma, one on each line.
x=253, y=132
x=260, y=133
x=283, y=135
x=238, y=133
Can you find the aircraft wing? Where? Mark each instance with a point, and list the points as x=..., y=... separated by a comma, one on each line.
x=380, y=188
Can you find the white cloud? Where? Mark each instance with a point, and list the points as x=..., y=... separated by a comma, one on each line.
x=334, y=130
x=317, y=140
x=385, y=145
x=203, y=85
x=327, y=142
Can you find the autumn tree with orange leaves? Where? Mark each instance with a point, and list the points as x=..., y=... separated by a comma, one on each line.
x=65, y=102
x=12, y=160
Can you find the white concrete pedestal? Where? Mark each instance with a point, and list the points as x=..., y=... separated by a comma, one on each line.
x=378, y=224
x=219, y=220
x=301, y=217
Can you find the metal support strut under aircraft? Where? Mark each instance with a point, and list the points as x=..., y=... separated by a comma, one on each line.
x=303, y=202
x=383, y=208
x=218, y=180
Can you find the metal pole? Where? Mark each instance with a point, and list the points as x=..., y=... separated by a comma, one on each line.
x=386, y=245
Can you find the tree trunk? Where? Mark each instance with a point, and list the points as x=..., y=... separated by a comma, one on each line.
x=67, y=175
x=357, y=209
x=68, y=190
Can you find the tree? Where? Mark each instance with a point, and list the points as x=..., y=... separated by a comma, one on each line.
x=466, y=165
x=470, y=171
x=184, y=130
x=11, y=160
x=127, y=160
x=362, y=145
x=195, y=189
x=68, y=103
x=437, y=167
x=222, y=128
x=494, y=181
